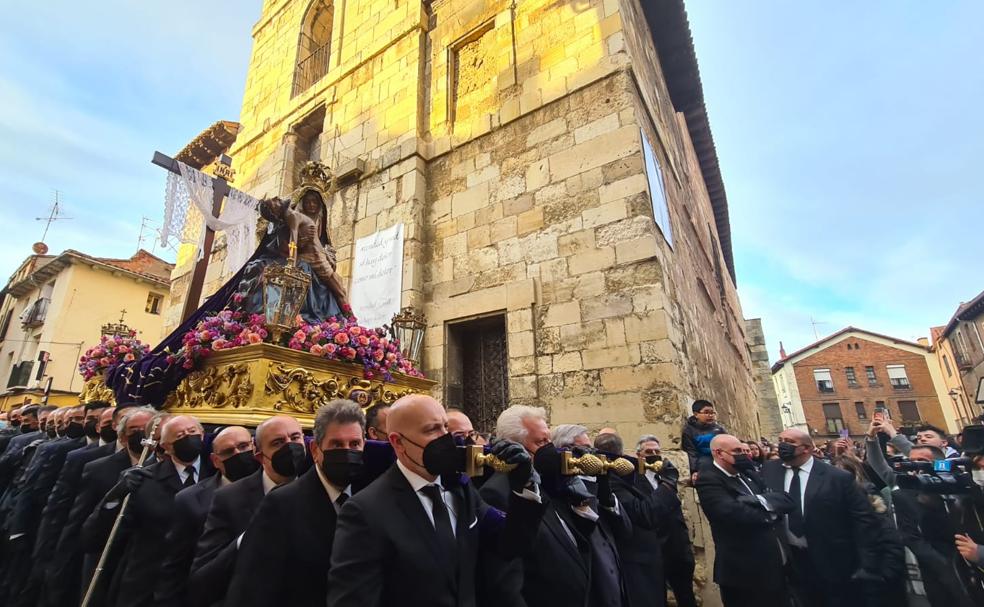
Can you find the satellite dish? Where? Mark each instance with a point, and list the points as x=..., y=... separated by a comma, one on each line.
x=39, y=248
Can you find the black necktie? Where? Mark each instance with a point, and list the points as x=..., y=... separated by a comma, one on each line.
x=191, y=476
x=341, y=500
x=796, y=526
x=442, y=522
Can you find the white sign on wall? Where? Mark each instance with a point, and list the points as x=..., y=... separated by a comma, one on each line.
x=377, y=277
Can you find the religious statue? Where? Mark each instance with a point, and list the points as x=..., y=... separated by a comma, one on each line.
x=298, y=232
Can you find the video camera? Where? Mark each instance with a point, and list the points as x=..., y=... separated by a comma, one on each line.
x=940, y=477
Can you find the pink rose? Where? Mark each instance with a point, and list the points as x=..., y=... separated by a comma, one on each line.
x=330, y=348
x=378, y=355
x=220, y=343
x=316, y=349
x=254, y=338
x=341, y=338
x=355, y=330
x=129, y=358
x=205, y=336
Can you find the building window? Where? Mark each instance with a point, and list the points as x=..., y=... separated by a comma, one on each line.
x=909, y=411
x=825, y=383
x=872, y=378
x=476, y=369
x=832, y=413
x=897, y=377
x=314, y=46
x=946, y=365
x=852, y=379
x=5, y=324
x=154, y=301
x=657, y=193
x=859, y=407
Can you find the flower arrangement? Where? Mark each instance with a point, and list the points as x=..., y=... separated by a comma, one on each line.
x=109, y=352
x=342, y=338
x=221, y=331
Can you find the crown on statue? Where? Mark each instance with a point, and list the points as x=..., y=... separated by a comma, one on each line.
x=315, y=175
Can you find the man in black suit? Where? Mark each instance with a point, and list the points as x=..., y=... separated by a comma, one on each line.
x=73, y=562
x=12, y=429
x=56, y=511
x=830, y=527
x=745, y=523
x=413, y=536
x=651, y=507
x=233, y=508
x=269, y=567
x=150, y=511
x=191, y=506
x=34, y=419
x=39, y=480
x=376, y=422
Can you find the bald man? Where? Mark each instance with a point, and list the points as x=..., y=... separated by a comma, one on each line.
x=232, y=457
x=279, y=444
x=829, y=529
x=150, y=510
x=413, y=537
x=745, y=523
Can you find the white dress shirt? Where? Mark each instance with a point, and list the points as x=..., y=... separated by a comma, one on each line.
x=804, y=477
x=183, y=469
x=418, y=482
x=333, y=492
x=762, y=500
x=268, y=483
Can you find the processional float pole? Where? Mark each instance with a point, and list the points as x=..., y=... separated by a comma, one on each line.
x=149, y=443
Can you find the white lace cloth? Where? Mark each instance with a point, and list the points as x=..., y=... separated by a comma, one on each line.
x=188, y=209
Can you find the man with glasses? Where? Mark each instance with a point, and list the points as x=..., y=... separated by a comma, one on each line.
x=462, y=430
x=231, y=448
x=233, y=507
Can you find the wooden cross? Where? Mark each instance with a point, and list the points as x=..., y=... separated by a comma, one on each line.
x=220, y=188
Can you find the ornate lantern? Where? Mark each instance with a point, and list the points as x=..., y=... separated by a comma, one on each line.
x=408, y=327
x=118, y=328
x=284, y=290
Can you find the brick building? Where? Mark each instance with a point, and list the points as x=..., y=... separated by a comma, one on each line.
x=837, y=382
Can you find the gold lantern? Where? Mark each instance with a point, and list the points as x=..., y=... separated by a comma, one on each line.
x=408, y=327
x=284, y=289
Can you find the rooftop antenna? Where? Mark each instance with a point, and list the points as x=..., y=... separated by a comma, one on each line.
x=147, y=225
x=40, y=247
x=815, y=323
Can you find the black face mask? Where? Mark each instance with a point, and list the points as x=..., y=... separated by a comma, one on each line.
x=108, y=435
x=91, y=428
x=743, y=463
x=134, y=442
x=441, y=456
x=52, y=432
x=786, y=451
x=188, y=448
x=341, y=466
x=288, y=459
x=75, y=430
x=15, y=423
x=240, y=465
x=27, y=429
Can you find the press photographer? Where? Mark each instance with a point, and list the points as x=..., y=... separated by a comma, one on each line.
x=939, y=510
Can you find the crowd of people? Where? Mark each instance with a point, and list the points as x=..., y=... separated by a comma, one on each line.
x=126, y=505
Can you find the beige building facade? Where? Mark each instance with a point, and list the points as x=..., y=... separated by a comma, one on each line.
x=57, y=304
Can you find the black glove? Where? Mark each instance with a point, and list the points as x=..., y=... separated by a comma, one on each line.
x=130, y=481
x=606, y=499
x=514, y=453
x=780, y=501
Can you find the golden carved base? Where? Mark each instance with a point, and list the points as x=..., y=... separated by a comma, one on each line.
x=249, y=384
x=96, y=389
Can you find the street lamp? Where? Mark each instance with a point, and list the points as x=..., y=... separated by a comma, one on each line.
x=408, y=328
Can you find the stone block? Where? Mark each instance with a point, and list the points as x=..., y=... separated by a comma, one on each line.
x=651, y=326
x=578, y=242
x=594, y=129
x=530, y=221
x=622, y=188
x=523, y=365
x=456, y=245
x=614, y=332
x=470, y=200
x=478, y=237
x=588, y=285
x=519, y=320
x=517, y=205
x=636, y=249
x=537, y=175
x=604, y=214
x=547, y=131
x=503, y=229
x=562, y=314
x=607, y=306
x=520, y=344
x=586, y=335
x=618, y=356
x=570, y=361
x=591, y=261
x=523, y=386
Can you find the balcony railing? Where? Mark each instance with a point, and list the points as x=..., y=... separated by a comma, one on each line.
x=20, y=374
x=900, y=384
x=35, y=315
x=311, y=69
x=825, y=385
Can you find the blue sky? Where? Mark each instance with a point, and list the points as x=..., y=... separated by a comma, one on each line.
x=849, y=136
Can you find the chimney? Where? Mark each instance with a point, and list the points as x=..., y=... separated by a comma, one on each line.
x=782, y=352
